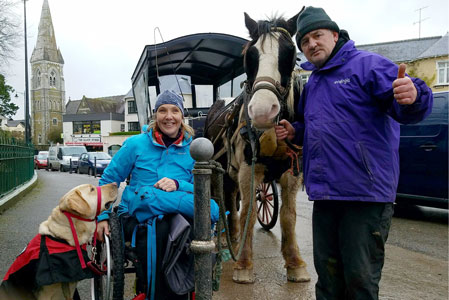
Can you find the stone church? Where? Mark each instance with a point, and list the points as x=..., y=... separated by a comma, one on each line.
x=47, y=84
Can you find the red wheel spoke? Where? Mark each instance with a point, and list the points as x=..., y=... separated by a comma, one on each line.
x=268, y=210
x=264, y=215
x=265, y=188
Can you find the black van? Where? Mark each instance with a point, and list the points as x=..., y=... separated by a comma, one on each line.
x=423, y=154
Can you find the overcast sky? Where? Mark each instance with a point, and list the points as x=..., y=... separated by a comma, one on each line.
x=102, y=40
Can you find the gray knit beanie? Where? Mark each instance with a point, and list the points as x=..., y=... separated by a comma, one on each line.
x=169, y=97
x=313, y=18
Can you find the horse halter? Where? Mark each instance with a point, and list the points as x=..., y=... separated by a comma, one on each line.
x=268, y=83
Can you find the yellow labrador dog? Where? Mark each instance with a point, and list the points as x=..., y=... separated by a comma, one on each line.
x=55, y=260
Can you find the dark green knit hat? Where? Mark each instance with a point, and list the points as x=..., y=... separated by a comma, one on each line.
x=313, y=18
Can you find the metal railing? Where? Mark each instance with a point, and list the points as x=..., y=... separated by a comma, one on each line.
x=16, y=164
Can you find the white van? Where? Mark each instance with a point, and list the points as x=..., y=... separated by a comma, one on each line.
x=59, y=157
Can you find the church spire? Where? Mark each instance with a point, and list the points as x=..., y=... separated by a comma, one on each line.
x=46, y=48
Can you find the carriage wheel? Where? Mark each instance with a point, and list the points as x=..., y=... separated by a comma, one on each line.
x=111, y=253
x=267, y=204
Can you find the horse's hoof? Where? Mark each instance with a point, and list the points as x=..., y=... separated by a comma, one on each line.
x=297, y=275
x=243, y=276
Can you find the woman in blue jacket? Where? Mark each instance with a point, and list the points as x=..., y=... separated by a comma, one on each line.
x=349, y=113
x=160, y=166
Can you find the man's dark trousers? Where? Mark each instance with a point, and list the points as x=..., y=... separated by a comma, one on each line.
x=348, y=247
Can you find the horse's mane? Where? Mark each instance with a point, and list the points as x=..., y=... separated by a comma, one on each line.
x=269, y=26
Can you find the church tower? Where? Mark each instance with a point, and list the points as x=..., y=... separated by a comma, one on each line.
x=47, y=84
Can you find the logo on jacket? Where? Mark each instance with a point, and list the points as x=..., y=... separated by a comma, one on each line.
x=342, y=81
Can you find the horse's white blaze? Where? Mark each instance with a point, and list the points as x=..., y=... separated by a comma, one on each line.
x=264, y=105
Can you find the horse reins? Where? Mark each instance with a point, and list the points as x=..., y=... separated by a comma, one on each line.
x=69, y=216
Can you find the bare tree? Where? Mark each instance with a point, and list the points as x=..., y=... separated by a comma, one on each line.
x=10, y=31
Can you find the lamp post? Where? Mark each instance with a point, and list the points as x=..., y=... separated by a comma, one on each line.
x=27, y=107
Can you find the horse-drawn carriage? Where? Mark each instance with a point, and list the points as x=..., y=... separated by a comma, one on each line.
x=208, y=70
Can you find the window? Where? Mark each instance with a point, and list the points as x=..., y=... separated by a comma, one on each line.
x=38, y=78
x=52, y=78
x=55, y=121
x=86, y=127
x=132, y=108
x=133, y=126
x=122, y=127
x=443, y=72
x=225, y=89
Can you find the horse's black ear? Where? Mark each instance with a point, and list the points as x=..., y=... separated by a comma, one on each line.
x=252, y=27
x=291, y=23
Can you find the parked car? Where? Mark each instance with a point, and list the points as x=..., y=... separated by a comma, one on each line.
x=40, y=160
x=60, y=157
x=86, y=163
x=423, y=153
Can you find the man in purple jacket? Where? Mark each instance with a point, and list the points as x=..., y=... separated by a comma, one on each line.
x=348, y=123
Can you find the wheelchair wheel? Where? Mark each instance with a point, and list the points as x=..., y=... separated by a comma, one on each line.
x=267, y=204
x=111, y=253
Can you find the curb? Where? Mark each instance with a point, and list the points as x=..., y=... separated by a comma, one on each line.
x=13, y=197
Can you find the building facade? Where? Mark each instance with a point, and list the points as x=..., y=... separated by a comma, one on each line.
x=90, y=120
x=47, y=84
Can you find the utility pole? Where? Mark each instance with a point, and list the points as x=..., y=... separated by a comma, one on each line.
x=27, y=107
x=420, y=20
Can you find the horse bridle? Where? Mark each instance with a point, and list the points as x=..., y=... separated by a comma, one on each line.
x=268, y=83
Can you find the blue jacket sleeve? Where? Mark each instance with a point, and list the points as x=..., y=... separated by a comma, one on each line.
x=185, y=186
x=118, y=170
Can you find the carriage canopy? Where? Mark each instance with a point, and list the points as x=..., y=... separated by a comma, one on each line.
x=212, y=59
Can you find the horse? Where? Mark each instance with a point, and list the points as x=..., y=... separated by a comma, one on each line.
x=245, y=142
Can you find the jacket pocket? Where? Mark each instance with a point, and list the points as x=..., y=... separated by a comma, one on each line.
x=365, y=161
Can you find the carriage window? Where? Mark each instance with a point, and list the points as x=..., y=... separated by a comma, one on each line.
x=153, y=96
x=225, y=89
x=204, y=95
x=304, y=79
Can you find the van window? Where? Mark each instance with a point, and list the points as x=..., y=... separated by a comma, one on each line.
x=430, y=126
x=73, y=150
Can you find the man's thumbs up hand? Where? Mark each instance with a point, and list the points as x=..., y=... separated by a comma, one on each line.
x=403, y=88
x=401, y=70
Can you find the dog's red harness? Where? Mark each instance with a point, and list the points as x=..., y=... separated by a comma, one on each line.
x=75, y=236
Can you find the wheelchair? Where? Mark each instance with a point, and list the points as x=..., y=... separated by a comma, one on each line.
x=119, y=255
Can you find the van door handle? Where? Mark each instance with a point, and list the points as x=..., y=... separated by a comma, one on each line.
x=428, y=148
